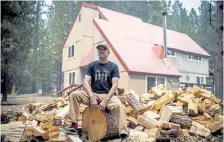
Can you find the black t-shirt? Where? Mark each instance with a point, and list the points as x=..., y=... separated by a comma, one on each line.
x=102, y=75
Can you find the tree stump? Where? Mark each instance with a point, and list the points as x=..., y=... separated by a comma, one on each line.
x=99, y=125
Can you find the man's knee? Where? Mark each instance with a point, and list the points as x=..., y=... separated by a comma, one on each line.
x=119, y=105
x=73, y=94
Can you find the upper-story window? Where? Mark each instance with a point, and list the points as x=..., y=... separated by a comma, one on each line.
x=200, y=79
x=71, y=51
x=171, y=53
x=194, y=57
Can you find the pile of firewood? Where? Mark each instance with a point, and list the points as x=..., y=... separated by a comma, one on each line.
x=174, y=114
x=158, y=114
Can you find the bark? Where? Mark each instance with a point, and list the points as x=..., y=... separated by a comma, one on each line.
x=184, y=121
x=219, y=51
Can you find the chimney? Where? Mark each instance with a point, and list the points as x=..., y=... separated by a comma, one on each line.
x=159, y=50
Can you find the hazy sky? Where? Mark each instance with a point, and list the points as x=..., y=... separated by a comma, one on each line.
x=188, y=4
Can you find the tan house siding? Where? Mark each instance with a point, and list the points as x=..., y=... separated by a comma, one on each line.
x=137, y=82
x=77, y=77
x=74, y=62
x=124, y=80
x=189, y=67
x=81, y=36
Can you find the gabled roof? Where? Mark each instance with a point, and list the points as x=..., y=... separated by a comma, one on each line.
x=137, y=56
x=132, y=42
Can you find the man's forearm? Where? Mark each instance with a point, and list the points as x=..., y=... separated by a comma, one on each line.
x=112, y=92
x=88, y=89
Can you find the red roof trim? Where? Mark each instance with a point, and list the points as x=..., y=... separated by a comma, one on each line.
x=87, y=5
x=112, y=48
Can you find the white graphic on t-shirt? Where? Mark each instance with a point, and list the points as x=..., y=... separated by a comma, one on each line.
x=101, y=75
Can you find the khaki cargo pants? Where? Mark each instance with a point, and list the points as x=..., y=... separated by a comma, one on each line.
x=114, y=104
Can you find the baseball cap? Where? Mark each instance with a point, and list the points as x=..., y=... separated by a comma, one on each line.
x=103, y=45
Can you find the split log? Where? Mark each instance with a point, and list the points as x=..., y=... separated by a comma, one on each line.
x=183, y=120
x=53, y=132
x=169, y=125
x=148, y=122
x=138, y=136
x=179, y=103
x=216, y=100
x=15, y=131
x=203, y=93
x=199, y=129
x=72, y=138
x=128, y=109
x=216, y=126
x=64, y=112
x=219, y=117
x=184, y=133
x=192, y=107
x=215, y=107
x=207, y=116
x=201, y=107
x=154, y=132
x=165, y=114
x=169, y=133
x=25, y=116
x=98, y=124
x=133, y=122
x=150, y=113
x=135, y=104
x=149, y=105
x=139, y=128
x=176, y=109
x=163, y=100
x=184, y=98
x=158, y=90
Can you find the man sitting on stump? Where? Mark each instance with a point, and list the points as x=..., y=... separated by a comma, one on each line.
x=100, y=84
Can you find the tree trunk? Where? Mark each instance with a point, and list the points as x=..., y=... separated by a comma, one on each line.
x=219, y=51
x=99, y=125
x=4, y=82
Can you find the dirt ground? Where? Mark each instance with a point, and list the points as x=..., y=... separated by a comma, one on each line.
x=14, y=102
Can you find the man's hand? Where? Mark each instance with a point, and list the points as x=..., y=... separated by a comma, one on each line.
x=93, y=102
x=103, y=104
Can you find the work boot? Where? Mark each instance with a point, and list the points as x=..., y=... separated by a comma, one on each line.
x=74, y=128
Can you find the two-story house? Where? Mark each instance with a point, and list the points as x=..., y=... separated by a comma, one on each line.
x=135, y=46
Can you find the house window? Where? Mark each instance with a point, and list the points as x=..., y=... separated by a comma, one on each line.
x=200, y=79
x=154, y=81
x=71, y=51
x=151, y=82
x=171, y=53
x=80, y=18
x=160, y=80
x=194, y=57
x=71, y=78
